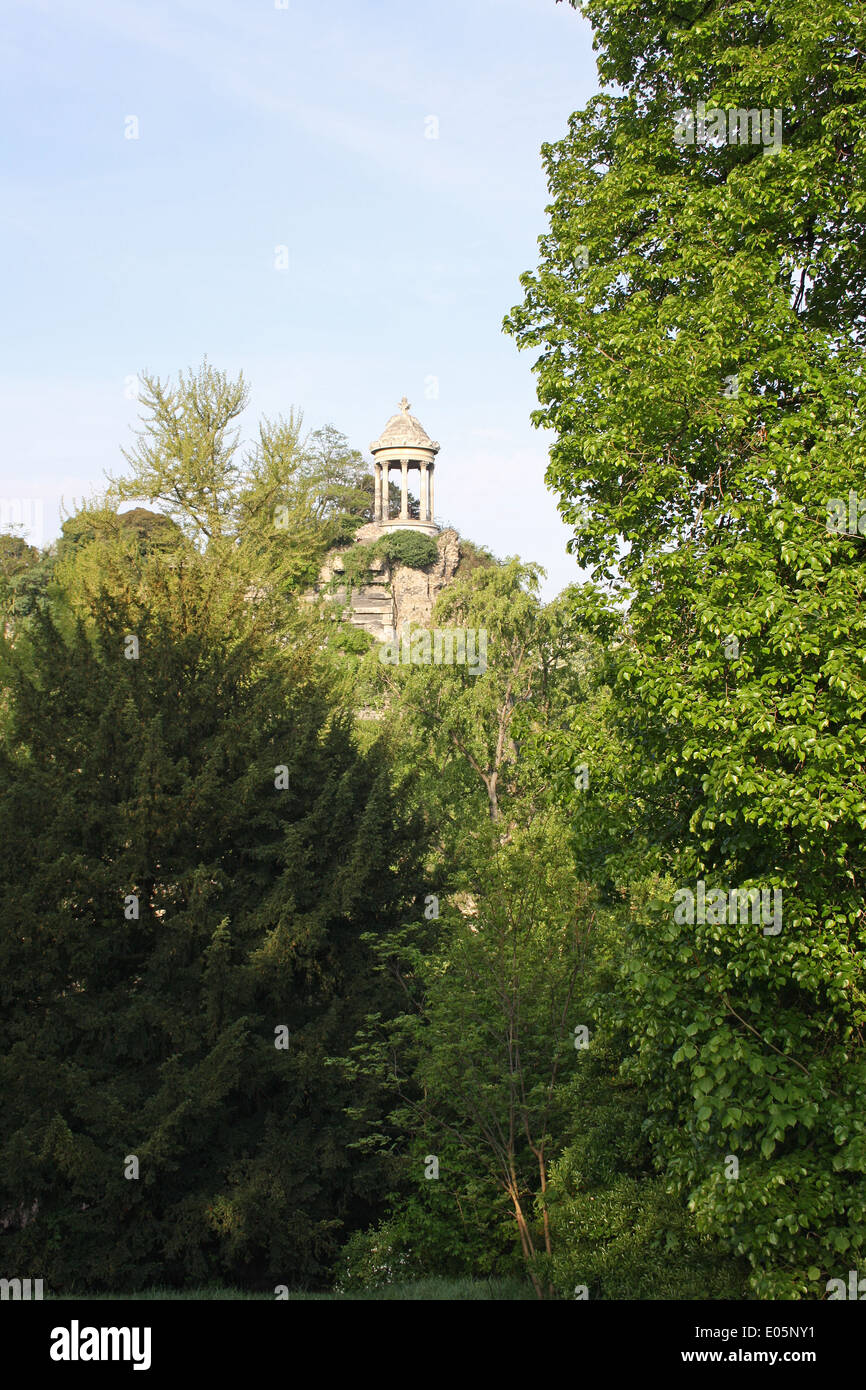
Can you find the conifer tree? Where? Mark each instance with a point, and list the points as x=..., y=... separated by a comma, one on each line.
x=193, y=850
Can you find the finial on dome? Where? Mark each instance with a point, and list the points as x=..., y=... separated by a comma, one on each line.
x=403, y=431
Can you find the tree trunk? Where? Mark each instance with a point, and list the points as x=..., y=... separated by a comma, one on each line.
x=526, y=1242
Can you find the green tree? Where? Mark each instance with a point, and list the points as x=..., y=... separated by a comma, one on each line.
x=341, y=481
x=195, y=852
x=271, y=510
x=186, y=451
x=25, y=578
x=698, y=308
x=480, y=1061
x=458, y=715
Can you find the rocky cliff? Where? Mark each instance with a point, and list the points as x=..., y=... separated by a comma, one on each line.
x=390, y=596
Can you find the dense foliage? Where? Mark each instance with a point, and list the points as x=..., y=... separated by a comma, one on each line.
x=410, y=548
x=700, y=361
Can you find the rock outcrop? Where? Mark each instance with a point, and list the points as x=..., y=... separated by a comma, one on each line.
x=392, y=595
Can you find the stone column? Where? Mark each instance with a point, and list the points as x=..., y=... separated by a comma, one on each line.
x=430, y=485
x=384, y=486
x=424, y=484
x=404, y=496
x=377, y=492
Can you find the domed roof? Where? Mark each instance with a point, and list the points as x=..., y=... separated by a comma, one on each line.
x=404, y=431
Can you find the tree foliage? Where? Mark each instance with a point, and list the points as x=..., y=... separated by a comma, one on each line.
x=698, y=310
x=194, y=851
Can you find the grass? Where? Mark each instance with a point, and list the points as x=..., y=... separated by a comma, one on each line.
x=427, y=1290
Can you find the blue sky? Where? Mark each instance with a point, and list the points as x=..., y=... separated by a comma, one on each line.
x=307, y=128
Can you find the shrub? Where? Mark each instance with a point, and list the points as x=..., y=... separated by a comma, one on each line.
x=410, y=548
x=473, y=557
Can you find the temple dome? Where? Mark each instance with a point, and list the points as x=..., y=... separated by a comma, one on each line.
x=404, y=431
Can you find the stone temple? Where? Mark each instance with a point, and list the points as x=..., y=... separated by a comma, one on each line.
x=396, y=595
x=404, y=444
